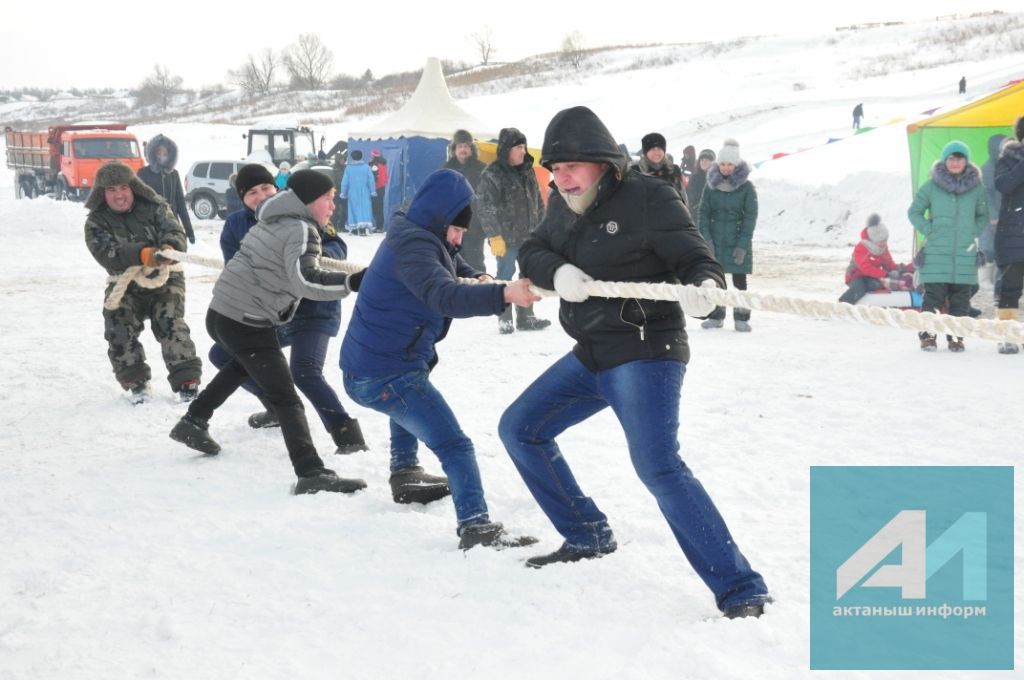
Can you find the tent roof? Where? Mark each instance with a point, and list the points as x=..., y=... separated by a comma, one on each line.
x=998, y=109
x=430, y=112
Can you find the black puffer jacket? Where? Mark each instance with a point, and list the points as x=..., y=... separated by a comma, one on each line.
x=508, y=197
x=165, y=180
x=1010, y=184
x=637, y=229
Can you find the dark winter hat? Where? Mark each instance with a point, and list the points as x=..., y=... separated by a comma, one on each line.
x=653, y=140
x=577, y=134
x=730, y=152
x=877, y=232
x=463, y=218
x=309, y=185
x=252, y=175
x=462, y=137
x=706, y=153
x=356, y=155
x=113, y=174
x=1018, y=129
x=507, y=138
x=955, y=147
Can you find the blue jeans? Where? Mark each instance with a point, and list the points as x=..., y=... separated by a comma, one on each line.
x=645, y=398
x=309, y=349
x=419, y=412
x=507, y=264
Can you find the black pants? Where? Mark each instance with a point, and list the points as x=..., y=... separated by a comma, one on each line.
x=473, y=248
x=1012, y=285
x=256, y=353
x=739, y=281
x=955, y=296
x=859, y=287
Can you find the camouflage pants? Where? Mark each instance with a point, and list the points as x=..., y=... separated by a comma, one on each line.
x=164, y=308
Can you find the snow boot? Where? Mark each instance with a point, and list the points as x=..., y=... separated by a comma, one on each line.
x=138, y=392
x=348, y=437
x=413, y=485
x=194, y=433
x=188, y=390
x=526, y=321
x=927, y=341
x=1008, y=315
x=742, y=326
x=326, y=480
x=567, y=554
x=712, y=323
x=954, y=344
x=491, y=535
x=505, y=325
x=744, y=611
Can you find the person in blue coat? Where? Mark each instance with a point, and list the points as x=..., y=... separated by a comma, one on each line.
x=357, y=187
x=408, y=297
x=308, y=333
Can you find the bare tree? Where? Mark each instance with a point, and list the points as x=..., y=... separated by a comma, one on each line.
x=158, y=88
x=573, y=49
x=309, y=62
x=256, y=75
x=483, y=40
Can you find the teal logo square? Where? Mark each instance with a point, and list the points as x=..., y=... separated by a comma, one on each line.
x=911, y=568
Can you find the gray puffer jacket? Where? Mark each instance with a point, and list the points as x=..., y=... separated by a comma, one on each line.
x=275, y=267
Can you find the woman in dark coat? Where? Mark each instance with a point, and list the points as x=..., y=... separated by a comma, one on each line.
x=1009, y=239
x=160, y=175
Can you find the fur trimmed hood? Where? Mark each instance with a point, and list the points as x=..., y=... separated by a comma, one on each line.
x=115, y=173
x=1012, y=150
x=172, y=154
x=733, y=182
x=956, y=184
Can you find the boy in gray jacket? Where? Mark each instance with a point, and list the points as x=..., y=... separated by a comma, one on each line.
x=260, y=288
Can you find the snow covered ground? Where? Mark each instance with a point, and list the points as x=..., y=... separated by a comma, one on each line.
x=125, y=555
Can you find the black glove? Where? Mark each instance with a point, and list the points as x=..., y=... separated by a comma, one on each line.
x=354, y=280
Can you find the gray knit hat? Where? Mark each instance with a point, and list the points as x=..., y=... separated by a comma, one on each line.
x=877, y=232
x=730, y=152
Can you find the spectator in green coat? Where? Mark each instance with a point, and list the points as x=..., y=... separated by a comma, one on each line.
x=727, y=217
x=950, y=212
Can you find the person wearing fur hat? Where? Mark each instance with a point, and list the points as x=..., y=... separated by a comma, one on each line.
x=949, y=212
x=1009, y=238
x=258, y=290
x=656, y=163
x=407, y=299
x=161, y=177
x=698, y=180
x=462, y=158
x=727, y=217
x=606, y=223
x=358, y=190
x=308, y=333
x=127, y=225
x=871, y=266
x=510, y=208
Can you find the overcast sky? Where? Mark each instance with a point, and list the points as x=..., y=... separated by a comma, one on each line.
x=65, y=44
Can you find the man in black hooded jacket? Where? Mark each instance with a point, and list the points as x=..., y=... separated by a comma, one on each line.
x=161, y=177
x=608, y=224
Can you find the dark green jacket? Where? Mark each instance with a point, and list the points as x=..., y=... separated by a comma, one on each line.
x=727, y=216
x=950, y=212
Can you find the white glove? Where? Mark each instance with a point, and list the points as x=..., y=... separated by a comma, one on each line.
x=570, y=283
x=695, y=303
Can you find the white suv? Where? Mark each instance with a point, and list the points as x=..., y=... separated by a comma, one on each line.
x=206, y=185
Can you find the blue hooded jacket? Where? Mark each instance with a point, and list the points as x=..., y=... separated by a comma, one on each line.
x=312, y=315
x=410, y=292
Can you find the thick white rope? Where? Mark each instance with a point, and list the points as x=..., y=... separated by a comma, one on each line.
x=140, y=275
x=700, y=299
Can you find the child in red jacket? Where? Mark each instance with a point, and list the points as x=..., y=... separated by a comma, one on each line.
x=872, y=266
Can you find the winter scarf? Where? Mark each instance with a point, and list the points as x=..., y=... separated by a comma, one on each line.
x=719, y=182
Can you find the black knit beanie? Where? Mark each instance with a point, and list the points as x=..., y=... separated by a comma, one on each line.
x=653, y=140
x=463, y=218
x=250, y=176
x=309, y=185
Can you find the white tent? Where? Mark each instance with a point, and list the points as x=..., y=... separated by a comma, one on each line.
x=430, y=112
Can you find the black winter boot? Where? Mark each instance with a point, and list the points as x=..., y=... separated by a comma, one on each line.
x=138, y=392
x=413, y=485
x=349, y=437
x=491, y=535
x=265, y=418
x=566, y=554
x=326, y=480
x=526, y=321
x=505, y=325
x=193, y=433
x=744, y=611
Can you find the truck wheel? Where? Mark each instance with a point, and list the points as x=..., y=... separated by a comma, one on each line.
x=204, y=207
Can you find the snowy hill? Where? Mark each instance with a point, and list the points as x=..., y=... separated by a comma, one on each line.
x=127, y=556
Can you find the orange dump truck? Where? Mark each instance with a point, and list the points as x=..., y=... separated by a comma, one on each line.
x=63, y=161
